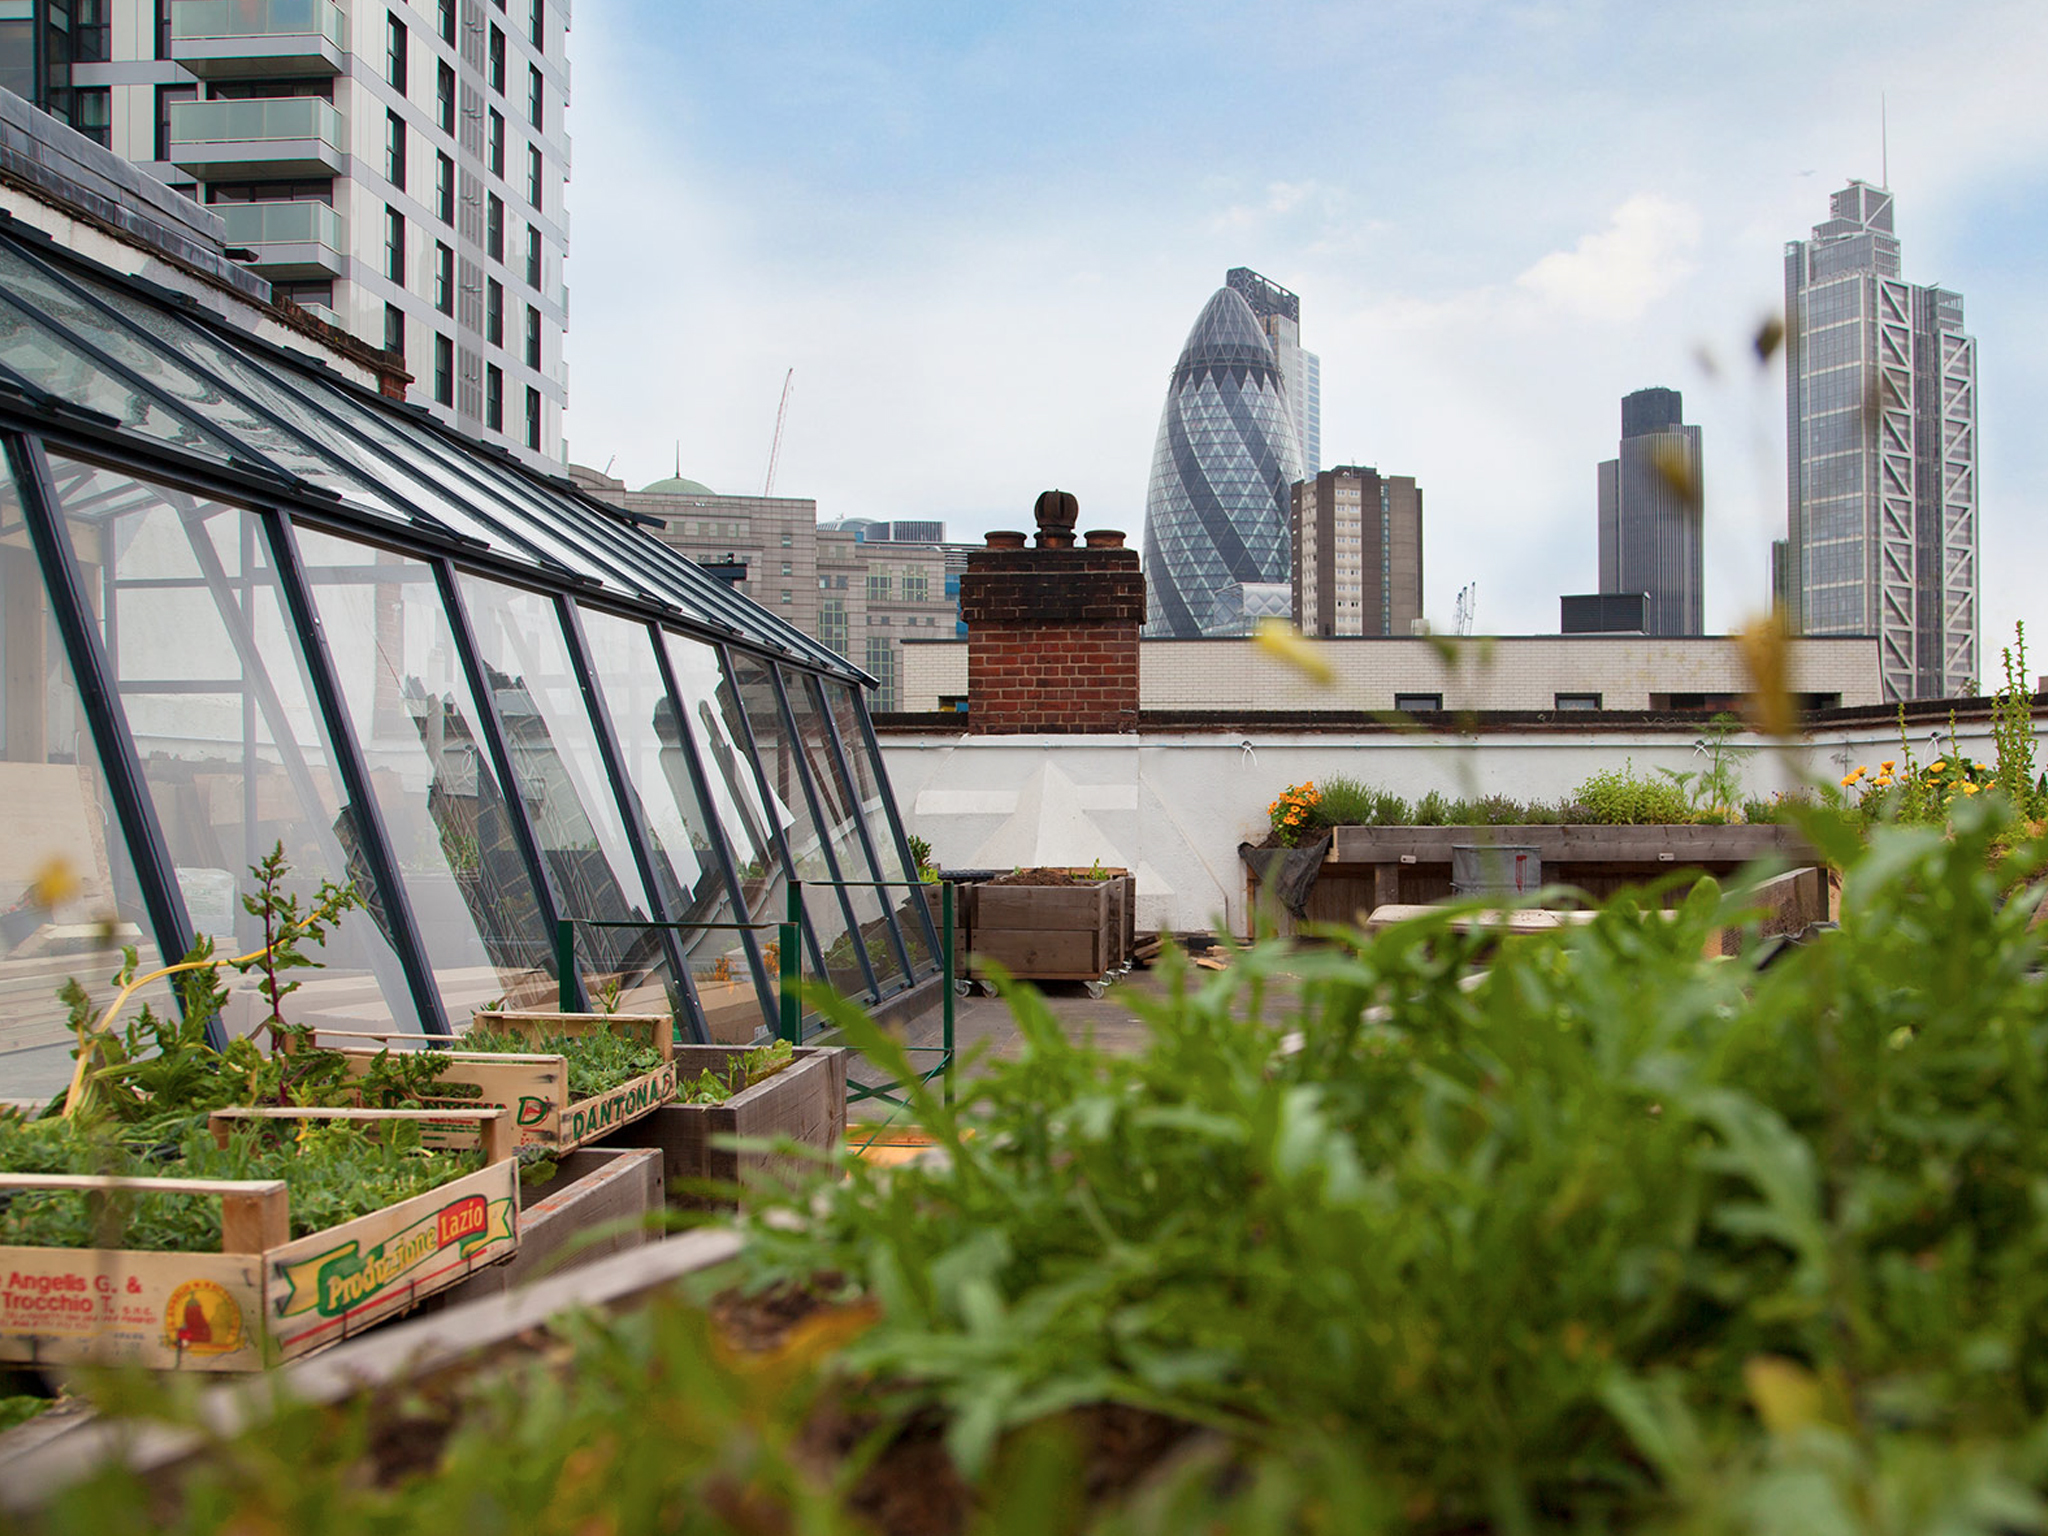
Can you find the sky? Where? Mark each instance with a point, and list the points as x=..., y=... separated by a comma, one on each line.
x=979, y=233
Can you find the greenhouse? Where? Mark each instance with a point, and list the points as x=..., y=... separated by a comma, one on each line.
x=246, y=602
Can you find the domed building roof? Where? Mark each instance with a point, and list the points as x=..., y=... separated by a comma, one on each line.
x=1216, y=511
x=676, y=485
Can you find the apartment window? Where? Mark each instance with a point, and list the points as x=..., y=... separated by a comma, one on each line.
x=394, y=329
x=394, y=245
x=447, y=22
x=1418, y=703
x=533, y=96
x=444, y=279
x=444, y=97
x=89, y=32
x=878, y=588
x=166, y=96
x=497, y=143
x=394, y=50
x=788, y=569
x=533, y=176
x=1576, y=700
x=444, y=371
x=916, y=589
x=497, y=59
x=494, y=226
x=92, y=113
x=394, y=149
x=163, y=32
x=536, y=24
x=444, y=187
x=533, y=258
x=533, y=418
x=494, y=397
x=788, y=540
x=316, y=290
x=494, y=312
x=532, y=338
x=788, y=596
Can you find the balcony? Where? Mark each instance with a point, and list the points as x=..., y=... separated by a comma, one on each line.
x=226, y=39
x=286, y=136
x=291, y=241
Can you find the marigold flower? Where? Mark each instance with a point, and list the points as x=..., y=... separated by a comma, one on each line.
x=1937, y=766
x=1849, y=782
x=1886, y=765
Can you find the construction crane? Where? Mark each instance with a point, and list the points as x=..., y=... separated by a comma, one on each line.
x=775, y=449
x=1468, y=600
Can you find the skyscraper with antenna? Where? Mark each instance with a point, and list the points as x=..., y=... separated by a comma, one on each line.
x=1881, y=436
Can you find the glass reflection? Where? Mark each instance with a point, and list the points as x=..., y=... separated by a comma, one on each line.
x=842, y=831
x=568, y=795
x=446, y=814
x=874, y=812
x=654, y=754
x=60, y=820
x=232, y=745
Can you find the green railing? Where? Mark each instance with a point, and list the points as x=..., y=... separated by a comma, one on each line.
x=789, y=966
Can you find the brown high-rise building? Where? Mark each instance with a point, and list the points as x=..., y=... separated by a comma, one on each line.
x=1357, y=552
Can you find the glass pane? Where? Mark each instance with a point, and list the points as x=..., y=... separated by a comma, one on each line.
x=59, y=819
x=881, y=830
x=842, y=829
x=447, y=815
x=186, y=385
x=779, y=763
x=214, y=684
x=568, y=795
x=652, y=748
x=49, y=361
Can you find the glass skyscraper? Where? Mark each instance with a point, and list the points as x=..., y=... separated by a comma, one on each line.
x=1650, y=506
x=1228, y=450
x=1881, y=427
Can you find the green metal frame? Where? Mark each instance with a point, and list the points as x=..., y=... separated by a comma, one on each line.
x=789, y=933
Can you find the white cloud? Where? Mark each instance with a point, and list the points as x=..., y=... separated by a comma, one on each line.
x=1618, y=272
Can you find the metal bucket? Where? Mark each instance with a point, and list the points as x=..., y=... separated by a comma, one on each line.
x=1495, y=869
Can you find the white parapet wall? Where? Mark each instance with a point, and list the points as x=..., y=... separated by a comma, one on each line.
x=1173, y=806
x=1520, y=672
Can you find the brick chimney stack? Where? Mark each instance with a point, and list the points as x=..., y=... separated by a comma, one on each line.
x=1052, y=632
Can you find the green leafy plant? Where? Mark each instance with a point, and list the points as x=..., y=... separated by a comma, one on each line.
x=597, y=1061
x=1623, y=797
x=715, y=1087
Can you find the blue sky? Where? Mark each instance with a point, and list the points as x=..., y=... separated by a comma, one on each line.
x=979, y=234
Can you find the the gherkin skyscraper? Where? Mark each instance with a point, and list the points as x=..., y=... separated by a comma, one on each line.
x=1216, y=510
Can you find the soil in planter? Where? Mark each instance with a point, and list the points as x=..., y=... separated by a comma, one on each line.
x=911, y=1488
x=1049, y=877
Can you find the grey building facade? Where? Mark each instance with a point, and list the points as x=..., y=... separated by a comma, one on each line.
x=1228, y=450
x=396, y=168
x=1650, y=498
x=1356, y=539
x=1881, y=429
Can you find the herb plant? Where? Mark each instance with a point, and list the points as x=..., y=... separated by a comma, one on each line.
x=597, y=1062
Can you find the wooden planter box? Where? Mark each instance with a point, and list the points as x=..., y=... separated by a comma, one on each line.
x=804, y=1101
x=265, y=1296
x=1372, y=867
x=536, y=1087
x=1050, y=932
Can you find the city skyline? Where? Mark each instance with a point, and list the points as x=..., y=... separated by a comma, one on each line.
x=1517, y=215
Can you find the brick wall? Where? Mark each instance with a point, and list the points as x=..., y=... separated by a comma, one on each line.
x=1052, y=639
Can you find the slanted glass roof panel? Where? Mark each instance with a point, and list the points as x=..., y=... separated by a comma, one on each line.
x=215, y=688
x=567, y=792
x=874, y=812
x=446, y=815
x=59, y=814
x=51, y=361
x=653, y=755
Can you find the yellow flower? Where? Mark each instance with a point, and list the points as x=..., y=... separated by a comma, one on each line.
x=1969, y=789
x=1937, y=765
x=1882, y=781
x=1849, y=782
x=1886, y=765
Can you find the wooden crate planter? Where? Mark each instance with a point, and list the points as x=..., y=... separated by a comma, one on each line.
x=804, y=1101
x=536, y=1087
x=1050, y=932
x=265, y=1296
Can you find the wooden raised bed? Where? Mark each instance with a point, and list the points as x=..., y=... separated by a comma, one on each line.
x=265, y=1296
x=536, y=1087
x=1372, y=867
x=803, y=1101
x=1073, y=932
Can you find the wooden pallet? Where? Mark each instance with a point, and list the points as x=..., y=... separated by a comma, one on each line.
x=265, y=1296
x=536, y=1087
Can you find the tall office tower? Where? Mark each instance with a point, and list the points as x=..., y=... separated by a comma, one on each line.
x=1357, y=539
x=1279, y=315
x=1881, y=429
x=395, y=166
x=1227, y=452
x=1650, y=500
